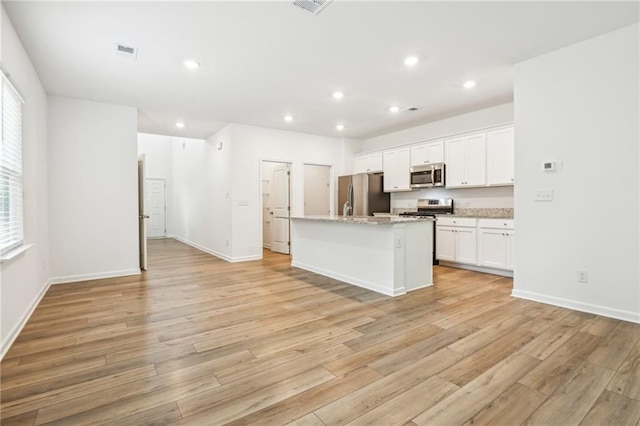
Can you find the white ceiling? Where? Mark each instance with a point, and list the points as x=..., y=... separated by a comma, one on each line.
x=262, y=60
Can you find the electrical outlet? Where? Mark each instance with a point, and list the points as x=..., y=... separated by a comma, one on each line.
x=544, y=195
x=227, y=243
x=582, y=276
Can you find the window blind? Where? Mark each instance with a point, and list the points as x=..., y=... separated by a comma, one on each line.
x=11, y=217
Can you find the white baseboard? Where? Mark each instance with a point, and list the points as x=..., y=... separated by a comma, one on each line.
x=501, y=272
x=96, y=276
x=15, y=331
x=350, y=280
x=216, y=253
x=578, y=306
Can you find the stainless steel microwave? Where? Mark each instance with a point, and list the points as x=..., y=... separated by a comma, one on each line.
x=427, y=176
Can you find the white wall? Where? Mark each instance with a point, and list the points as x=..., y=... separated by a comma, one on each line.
x=251, y=145
x=488, y=117
x=158, y=164
x=24, y=279
x=93, y=196
x=579, y=106
x=201, y=202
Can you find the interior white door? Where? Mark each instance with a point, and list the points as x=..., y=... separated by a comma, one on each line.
x=280, y=209
x=142, y=229
x=155, y=205
x=317, y=196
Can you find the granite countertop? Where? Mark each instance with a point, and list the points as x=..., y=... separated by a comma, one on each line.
x=365, y=220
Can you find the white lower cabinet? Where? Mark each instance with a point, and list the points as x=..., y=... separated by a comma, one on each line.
x=495, y=243
x=456, y=240
x=481, y=242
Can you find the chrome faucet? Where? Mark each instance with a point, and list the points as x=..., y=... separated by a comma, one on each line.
x=346, y=208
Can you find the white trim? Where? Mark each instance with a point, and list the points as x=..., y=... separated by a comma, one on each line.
x=215, y=253
x=96, y=276
x=351, y=280
x=14, y=252
x=578, y=306
x=501, y=272
x=15, y=331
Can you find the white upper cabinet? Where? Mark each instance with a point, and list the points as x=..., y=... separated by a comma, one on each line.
x=427, y=153
x=500, y=157
x=396, y=170
x=466, y=161
x=368, y=163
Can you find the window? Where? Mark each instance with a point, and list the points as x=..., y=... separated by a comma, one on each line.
x=11, y=219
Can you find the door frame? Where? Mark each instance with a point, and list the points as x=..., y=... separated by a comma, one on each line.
x=292, y=186
x=142, y=226
x=332, y=192
x=165, y=206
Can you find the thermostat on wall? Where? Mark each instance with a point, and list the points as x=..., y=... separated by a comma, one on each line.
x=548, y=166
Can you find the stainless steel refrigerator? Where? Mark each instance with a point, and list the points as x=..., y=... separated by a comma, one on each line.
x=365, y=194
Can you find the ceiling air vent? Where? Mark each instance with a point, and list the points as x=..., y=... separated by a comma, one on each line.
x=126, y=51
x=412, y=109
x=313, y=6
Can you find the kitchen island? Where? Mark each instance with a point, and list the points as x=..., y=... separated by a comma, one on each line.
x=389, y=255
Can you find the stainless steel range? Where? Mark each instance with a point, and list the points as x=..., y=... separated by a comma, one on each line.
x=432, y=208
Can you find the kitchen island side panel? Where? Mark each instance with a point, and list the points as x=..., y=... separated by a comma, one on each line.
x=377, y=257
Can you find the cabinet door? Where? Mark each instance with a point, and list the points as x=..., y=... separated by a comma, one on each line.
x=500, y=157
x=418, y=155
x=445, y=243
x=466, y=250
x=435, y=152
x=389, y=167
x=509, y=249
x=403, y=179
x=374, y=163
x=360, y=164
x=476, y=160
x=492, y=248
x=456, y=162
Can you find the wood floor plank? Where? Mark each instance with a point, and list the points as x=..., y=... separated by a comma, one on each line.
x=580, y=393
x=627, y=379
x=265, y=343
x=403, y=408
x=513, y=407
x=561, y=365
x=614, y=409
x=295, y=406
x=463, y=404
x=367, y=398
x=615, y=348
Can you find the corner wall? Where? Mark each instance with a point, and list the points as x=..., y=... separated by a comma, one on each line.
x=25, y=279
x=201, y=203
x=93, y=195
x=580, y=107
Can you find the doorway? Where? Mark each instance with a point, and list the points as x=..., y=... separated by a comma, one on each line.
x=317, y=190
x=156, y=207
x=276, y=206
x=142, y=229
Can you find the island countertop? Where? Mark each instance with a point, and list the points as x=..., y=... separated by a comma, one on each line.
x=365, y=220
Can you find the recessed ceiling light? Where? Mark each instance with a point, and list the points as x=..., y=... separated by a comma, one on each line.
x=469, y=84
x=338, y=95
x=180, y=124
x=191, y=64
x=340, y=127
x=411, y=61
x=394, y=109
x=288, y=118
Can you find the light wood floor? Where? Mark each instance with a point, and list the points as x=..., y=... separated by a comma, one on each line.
x=196, y=340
